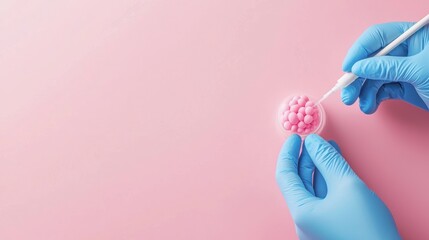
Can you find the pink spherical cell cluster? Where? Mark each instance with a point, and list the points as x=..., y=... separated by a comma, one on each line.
x=300, y=115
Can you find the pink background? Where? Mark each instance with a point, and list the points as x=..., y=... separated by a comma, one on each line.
x=156, y=119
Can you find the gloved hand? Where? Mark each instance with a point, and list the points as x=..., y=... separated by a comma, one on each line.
x=342, y=207
x=404, y=74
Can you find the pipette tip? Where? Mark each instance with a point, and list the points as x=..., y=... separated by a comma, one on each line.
x=323, y=98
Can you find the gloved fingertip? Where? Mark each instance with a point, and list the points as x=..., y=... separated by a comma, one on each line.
x=294, y=136
x=312, y=140
x=292, y=140
x=366, y=107
x=312, y=136
x=335, y=145
x=348, y=95
x=358, y=68
x=345, y=98
x=347, y=67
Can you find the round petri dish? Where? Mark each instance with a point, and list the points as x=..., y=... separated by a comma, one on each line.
x=318, y=114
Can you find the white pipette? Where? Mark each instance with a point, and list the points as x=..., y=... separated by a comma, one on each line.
x=348, y=78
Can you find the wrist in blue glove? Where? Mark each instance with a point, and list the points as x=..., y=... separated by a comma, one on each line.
x=404, y=74
x=326, y=198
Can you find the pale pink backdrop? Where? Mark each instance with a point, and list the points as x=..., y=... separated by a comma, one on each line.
x=156, y=119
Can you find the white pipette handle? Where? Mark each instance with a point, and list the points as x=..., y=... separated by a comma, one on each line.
x=348, y=78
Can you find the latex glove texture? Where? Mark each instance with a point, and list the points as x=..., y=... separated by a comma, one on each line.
x=403, y=74
x=326, y=199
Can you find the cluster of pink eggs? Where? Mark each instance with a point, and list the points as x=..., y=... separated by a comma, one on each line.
x=300, y=115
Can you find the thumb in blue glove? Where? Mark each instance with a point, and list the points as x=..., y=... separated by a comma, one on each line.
x=335, y=203
x=403, y=75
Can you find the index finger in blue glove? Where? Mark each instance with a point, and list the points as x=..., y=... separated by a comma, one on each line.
x=319, y=183
x=287, y=176
x=305, y=170
x=350, y=94
x=328, y=160
x=373, y=39
x=311, y=177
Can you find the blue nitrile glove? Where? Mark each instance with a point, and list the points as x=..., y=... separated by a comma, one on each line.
x=342, y=207
x=404, y=74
